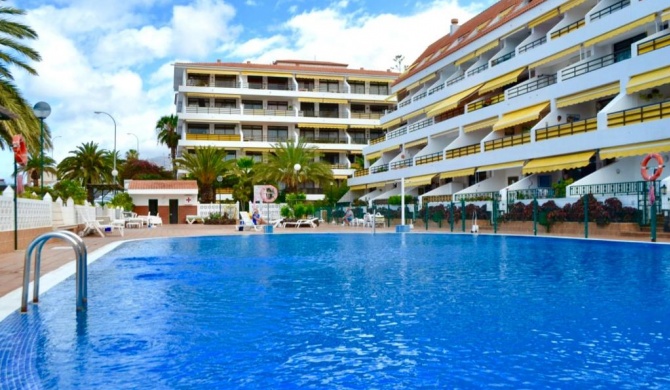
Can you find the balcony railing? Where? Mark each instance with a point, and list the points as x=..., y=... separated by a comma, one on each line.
x=406, y=163
x=654, y=44
x=379, y=169
x=623, y=188
x=507, y=142
x=502, y=59
x=539, y=83
x=454, y=81
x=420, y=125
x=532, y=45
x=396, y=133
x=339, y=166
x=366, y=115
x=529, y=193
x=436, y=88
x=378, y=140
x=449, y=114
x=212, y=137
x=331, y=88
x=608, y=10
x=478, y=69
x=567, y=129
x=320, y=114
x=475, y=196
x=486, y=102
x=212, y=110
x=404, y=103
x=646, y=113
x=227, y=84
x=429, y=158
x=462, y=151
x=595, y=64
x=436, y=198
x=265, y=138
x=568, y=29
x=324, y=140
x=419, y=96
x=257, y=111
x=362, y=172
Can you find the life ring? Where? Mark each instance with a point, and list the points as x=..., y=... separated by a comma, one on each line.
x=269, y=194
x=20, y=150
x=657, y=172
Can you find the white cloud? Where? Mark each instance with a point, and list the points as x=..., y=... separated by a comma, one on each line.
x=199, y=27
x=256, y=46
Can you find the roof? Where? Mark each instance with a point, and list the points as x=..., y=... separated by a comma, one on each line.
x=163, y=185
x=442, y=48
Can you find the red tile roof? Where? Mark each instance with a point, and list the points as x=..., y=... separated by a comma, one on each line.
x=163, y=185
x=466, y=30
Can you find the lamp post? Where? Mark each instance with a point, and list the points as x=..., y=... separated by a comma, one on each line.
x=42, y=111
x=216, y=195
x=114, y=171
x=138, y=142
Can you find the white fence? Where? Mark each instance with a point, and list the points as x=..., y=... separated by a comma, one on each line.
x=231, y=210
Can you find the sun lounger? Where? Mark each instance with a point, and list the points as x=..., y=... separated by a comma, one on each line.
x=246, y=223
x=311, y=222
x=194, y=218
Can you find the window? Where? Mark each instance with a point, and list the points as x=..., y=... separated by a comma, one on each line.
x=225, y=81
x=198, y=102
x=358, y=108
x=357, y=87
x=305, y=84
x=307, y=134
x=357, y=136
x=253, y=104
x=277, y=133
x=328, y=110
x=379, y=88
x=278, y=83
x=278, y=106
x=224, y=129
x=329, y=136
x=544, y=181
x=252, y=133
x=331, y=158
x=198, y=128
x=256, y=156
x=329, y=85
x=255, y=82
x=378, y=109
x=376, y=133
x=230, y=155
x=225, y=103
x=198, y=80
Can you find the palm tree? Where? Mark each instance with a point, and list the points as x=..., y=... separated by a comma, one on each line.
x=243, y=170
x=87, y=165
x=34, y=168
x=132, y=154
x=281, y=164
x=12, y=53
x=205, y=165
x=166, y=128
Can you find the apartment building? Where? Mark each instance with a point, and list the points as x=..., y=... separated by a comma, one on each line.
x=527, y=94
x=247, y=108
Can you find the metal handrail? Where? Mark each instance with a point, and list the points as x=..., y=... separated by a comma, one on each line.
x=81, y=268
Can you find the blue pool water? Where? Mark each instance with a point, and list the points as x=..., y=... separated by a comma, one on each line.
x=353, y=311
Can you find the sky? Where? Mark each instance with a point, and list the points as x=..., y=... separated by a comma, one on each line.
x=117, y=56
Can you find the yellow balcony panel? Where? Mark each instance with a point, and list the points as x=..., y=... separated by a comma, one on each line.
x=391, y=123
x=267, y=74
x=553, y=57
x=330, y=77
x=317, y=100
x=496, y=167
x=556, y=163
x=501, y=81
x=546, y=17
x=322, y=126
x=665, y=16
x=588, y=95
x=450, y=102
x=373, y=155
x=457, y=173
x=620, y=30
x=480, y=125
x=520, y=116
x=213, y=137
x=648, y=80
x=636, y=149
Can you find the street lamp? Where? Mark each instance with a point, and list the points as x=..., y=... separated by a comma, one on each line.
x=42, y=111
x=114, y=171
x=138, y=142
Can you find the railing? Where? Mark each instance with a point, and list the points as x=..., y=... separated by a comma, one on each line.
x=404, y=103
x=436, y=198
x=339, y=166
x=212, y=110
x=502, y=59
x=449, y=114
x=436, y=88
x=624, y=188
x=260, y=111
x=380, y=168
x=608, y=10
x=532, y=45
x=478, y=69
x=462, y=151
x=595, y=64
x=539, y=83
x=265, y=138
x=419, y=96
x=330, y=88
x=362, y=172
x=568, y=29
x=567, y=129
x=366, y=115
x=213, y=137
x=646, y=113
x=507, y=142
x=420, y=125
x=325, y=140
x=359, y=140
x=406, y=163
x=476, y=196
x=396, y=133
x=429, y=158
x=486, y=102
x=654, y=44
x=319, y=114
x=378, y=140
x=528, y=193
x=227, y=84
x=454, y=81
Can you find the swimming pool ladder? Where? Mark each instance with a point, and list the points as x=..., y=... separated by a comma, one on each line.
x=81, y=273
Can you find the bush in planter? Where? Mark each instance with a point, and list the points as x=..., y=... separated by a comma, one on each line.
x=286, y=212
x=219, y=219
x=299, y=210
x=396, y=200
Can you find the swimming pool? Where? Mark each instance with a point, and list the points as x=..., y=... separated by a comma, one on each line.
x=352, y=311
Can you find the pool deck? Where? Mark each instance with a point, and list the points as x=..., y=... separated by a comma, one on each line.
x=57, y=253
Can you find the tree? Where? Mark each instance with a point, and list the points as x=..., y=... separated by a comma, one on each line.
x=135, y=169
x=132, y=154
x=166, y=128
x=12, y=53
x=34, y=168
x=87, y=165
x=242, y=170
x=205, y=165
x=281, y=164
x=398, y=63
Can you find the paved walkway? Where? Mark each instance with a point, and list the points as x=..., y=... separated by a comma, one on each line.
x=56, y=253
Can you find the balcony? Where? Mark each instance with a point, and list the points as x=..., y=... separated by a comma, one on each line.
x=213, y=137
x=420, y=125
x=462, y=151
x=212, y=110
x=530, y=193
x=227, y=84
x=419, y=96
x=405, y=103
x=366, y=115
x=593, y=65
x=320, y=114
x=265, y=138
x=454, y=81
x=362, y=172
x=655, y=44
x=436, y=88
x=646, y=113
x=378, y=140
x=502, y=59
x=566, y=129
x=429, y=158
x=478, y=69
x=257, y=111
x=436, y=198
x=608, y=10
x=507, y=142
x=396, y=133
x=568, y=29
x=379, y=169
x=406, y=163
x=533, y=45
x=476, y=196
x=623, y=188
x=324, y=140
x=478, y=105
x=339, y=166
x=539, y=83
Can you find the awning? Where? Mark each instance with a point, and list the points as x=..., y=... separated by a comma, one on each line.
x=423, y=80
x=373, y=155
x=620, y=30
x=412, y=114
x=501, y=81
x=322, y=125
x=340, y=177
x=417, y=142
x=267, y=74
x=465, y=58
x=363, y=79
x=457, y=173
x=553, y=57
x=636, y=149
x=330, y=77
x=391, y=148
x=364, y=126
x=306, y=76
x=649, y=79
x=665, y=16
x=317, y=100
x=419, y=180
x=487, y=47
x=495, y=167
x=450, y=102
x=391, y=123
x=520, y=116
x=480, y=125
x=588, y=95
x=570, y=5
x=549, y=15
x=556, y=163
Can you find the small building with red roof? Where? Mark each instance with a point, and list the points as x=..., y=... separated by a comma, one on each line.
x=172, y=200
